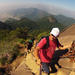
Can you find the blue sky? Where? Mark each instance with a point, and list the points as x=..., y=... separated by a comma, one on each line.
x=68, y=4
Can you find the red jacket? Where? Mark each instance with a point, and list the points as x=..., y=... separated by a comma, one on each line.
x=47, y=54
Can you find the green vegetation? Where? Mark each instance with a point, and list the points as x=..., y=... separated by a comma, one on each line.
x=66, y=21
x=48, y=23
x=3, y=60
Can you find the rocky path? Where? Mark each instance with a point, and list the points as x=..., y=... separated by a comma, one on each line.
x=22, y=69
x=68, y=68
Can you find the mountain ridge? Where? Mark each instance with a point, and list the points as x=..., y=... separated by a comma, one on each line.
x=36, y=14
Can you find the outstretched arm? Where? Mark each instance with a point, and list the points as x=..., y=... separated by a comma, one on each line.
x=64, y=47
x=61, y=47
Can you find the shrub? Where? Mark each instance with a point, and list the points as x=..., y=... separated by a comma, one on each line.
x=3, y=60
x=14, y=53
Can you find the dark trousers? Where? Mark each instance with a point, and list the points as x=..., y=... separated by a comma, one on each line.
x=45, y=67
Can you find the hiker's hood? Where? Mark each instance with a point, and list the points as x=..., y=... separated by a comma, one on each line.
x=55, y=32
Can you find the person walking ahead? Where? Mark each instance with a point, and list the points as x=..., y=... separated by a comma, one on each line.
x=44, y=55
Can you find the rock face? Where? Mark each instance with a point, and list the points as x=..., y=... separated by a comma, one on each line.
x=68, y=35
x=51, y=19
x=70, y=31
x=67, y=66
x=22, y=70
x=73, y=70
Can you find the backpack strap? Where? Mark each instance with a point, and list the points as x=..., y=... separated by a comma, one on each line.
x=47, y=43
x=47, y=39
x=57, y=42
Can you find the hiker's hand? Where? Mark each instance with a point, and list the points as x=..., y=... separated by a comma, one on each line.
x=38, y=61
x=65, y=47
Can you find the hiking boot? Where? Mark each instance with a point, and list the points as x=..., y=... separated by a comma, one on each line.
x=54, y=71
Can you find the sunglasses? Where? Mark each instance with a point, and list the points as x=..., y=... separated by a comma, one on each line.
x=53, y=35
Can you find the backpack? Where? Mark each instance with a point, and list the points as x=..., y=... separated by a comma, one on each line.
x=47, y=43
x=47, y=39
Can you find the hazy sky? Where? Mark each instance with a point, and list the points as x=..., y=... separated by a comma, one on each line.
x=68, y=4
x=55, y=6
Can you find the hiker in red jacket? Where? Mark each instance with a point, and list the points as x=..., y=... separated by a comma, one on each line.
x=44, y=55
